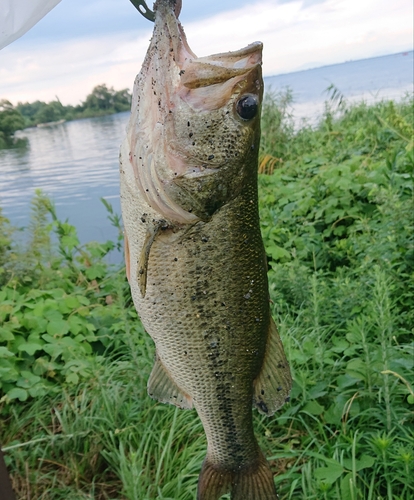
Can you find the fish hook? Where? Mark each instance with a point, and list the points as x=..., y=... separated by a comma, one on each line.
x=143, y=9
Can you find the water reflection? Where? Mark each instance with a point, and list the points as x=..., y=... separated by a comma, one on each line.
x=75, y=163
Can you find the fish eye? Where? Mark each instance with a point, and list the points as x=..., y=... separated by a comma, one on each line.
x=247, y=107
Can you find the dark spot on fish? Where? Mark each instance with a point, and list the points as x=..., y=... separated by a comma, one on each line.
x=190, y=134
x=204, y=239
x=193, y=143
x=185, y=353
x=279, y=388
x=287, y=399
x=141, y=271
x=223, y=304
x=182, y=72
x=188, y=124
x=175, y=259
x=262, y=406
x=193, y=297
x=262, y=392
x=210, y=157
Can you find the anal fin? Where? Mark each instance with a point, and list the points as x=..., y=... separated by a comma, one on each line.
x=161, y=387
x=272, y=386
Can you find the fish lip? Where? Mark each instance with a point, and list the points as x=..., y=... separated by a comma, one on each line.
x=196, y=72
x=167, y=25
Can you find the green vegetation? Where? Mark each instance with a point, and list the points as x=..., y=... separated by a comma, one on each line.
x=336, y=206
x=10, y=121
x=101, y=101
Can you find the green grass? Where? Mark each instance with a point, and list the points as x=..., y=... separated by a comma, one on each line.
x=336, y=206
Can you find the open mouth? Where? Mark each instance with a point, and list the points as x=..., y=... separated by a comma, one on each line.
x=196, y=72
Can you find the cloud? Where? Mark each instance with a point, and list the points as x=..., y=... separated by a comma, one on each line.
x=295, y=34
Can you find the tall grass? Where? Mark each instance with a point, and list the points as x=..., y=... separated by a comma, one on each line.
x=336, y=209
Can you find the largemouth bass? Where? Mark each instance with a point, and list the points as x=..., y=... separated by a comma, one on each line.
x=194, y=254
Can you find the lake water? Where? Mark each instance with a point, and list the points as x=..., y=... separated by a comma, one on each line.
x=387, y=77
x=76, y=163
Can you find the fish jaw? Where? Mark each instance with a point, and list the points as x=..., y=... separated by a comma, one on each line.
x=185, y=177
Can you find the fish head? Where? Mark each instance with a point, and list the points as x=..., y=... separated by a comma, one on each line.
x=194, y=132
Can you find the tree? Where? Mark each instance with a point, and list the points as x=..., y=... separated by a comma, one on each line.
x=107, y=99
x=101, y=98
x=10, y=120
x=50, y=112
x=122, y=100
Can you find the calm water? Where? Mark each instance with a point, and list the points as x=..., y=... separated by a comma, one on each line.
x=76, y=163
x=387, y=77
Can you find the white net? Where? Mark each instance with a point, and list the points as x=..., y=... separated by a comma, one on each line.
x=18, y=16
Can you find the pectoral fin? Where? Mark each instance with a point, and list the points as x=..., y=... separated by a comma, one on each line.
x=272, y=386
x=161, y=387
x=142, y=270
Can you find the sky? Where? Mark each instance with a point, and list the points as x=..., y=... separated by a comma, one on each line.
x=81, y=44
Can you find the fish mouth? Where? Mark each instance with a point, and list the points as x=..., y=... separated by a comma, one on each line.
x=173, y=85
x=204, y=82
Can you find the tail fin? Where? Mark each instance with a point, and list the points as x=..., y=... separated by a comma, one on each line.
x=250, y=483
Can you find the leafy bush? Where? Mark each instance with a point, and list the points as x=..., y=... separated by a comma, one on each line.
x=338, y=229
x=56, y=310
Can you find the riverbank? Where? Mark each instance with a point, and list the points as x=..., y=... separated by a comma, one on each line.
x=102, y=101
x=336, y=218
